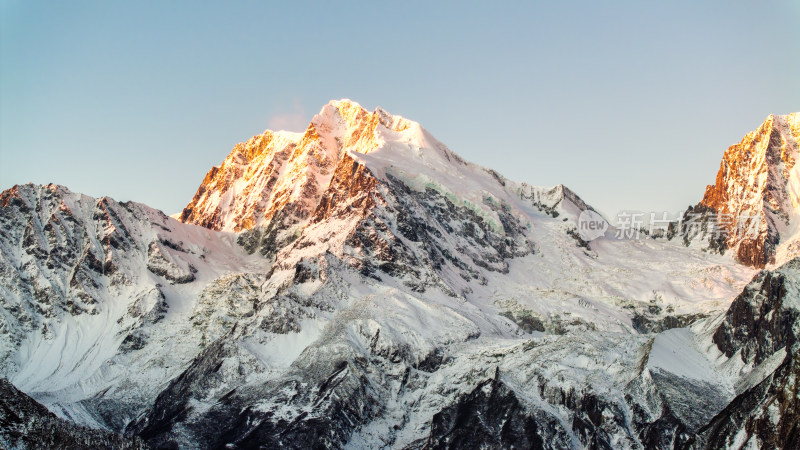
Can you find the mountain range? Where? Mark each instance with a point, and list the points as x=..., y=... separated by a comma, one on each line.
x=360, y=285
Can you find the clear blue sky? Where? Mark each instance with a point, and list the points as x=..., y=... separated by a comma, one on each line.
x=631, y=104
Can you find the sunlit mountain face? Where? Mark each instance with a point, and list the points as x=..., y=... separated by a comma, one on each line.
x=758, y=185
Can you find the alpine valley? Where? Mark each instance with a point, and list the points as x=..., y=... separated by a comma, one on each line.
x=359, y=285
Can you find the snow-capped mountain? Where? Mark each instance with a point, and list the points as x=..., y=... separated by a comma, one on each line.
x=360, y=285
x=381, y=193
x=756, y=197
x=87, y=283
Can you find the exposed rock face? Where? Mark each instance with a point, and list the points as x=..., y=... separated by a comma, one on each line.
x=762, y=328
x=765, y=416
x=46, y=227
x=757, y=323
x=26, y=424
x=289, y=173
x=644, y=324
x=490, y=416
x=755, y=195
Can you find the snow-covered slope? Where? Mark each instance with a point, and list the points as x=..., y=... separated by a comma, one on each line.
x=96, y=298
x=360, y=285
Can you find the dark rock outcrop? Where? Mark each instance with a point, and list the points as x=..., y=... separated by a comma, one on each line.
x=26, y=424
x=490, y=416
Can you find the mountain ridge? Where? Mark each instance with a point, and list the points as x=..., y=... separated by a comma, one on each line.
x=342, y=129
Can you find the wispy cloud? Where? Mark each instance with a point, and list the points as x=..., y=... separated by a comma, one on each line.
x=293, y=120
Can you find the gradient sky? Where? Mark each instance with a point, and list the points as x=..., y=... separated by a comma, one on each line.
x=631, y=104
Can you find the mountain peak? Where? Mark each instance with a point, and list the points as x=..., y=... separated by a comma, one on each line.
x=350, y=117
x=761, y=160
x=757, y=189
x=287, y=173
